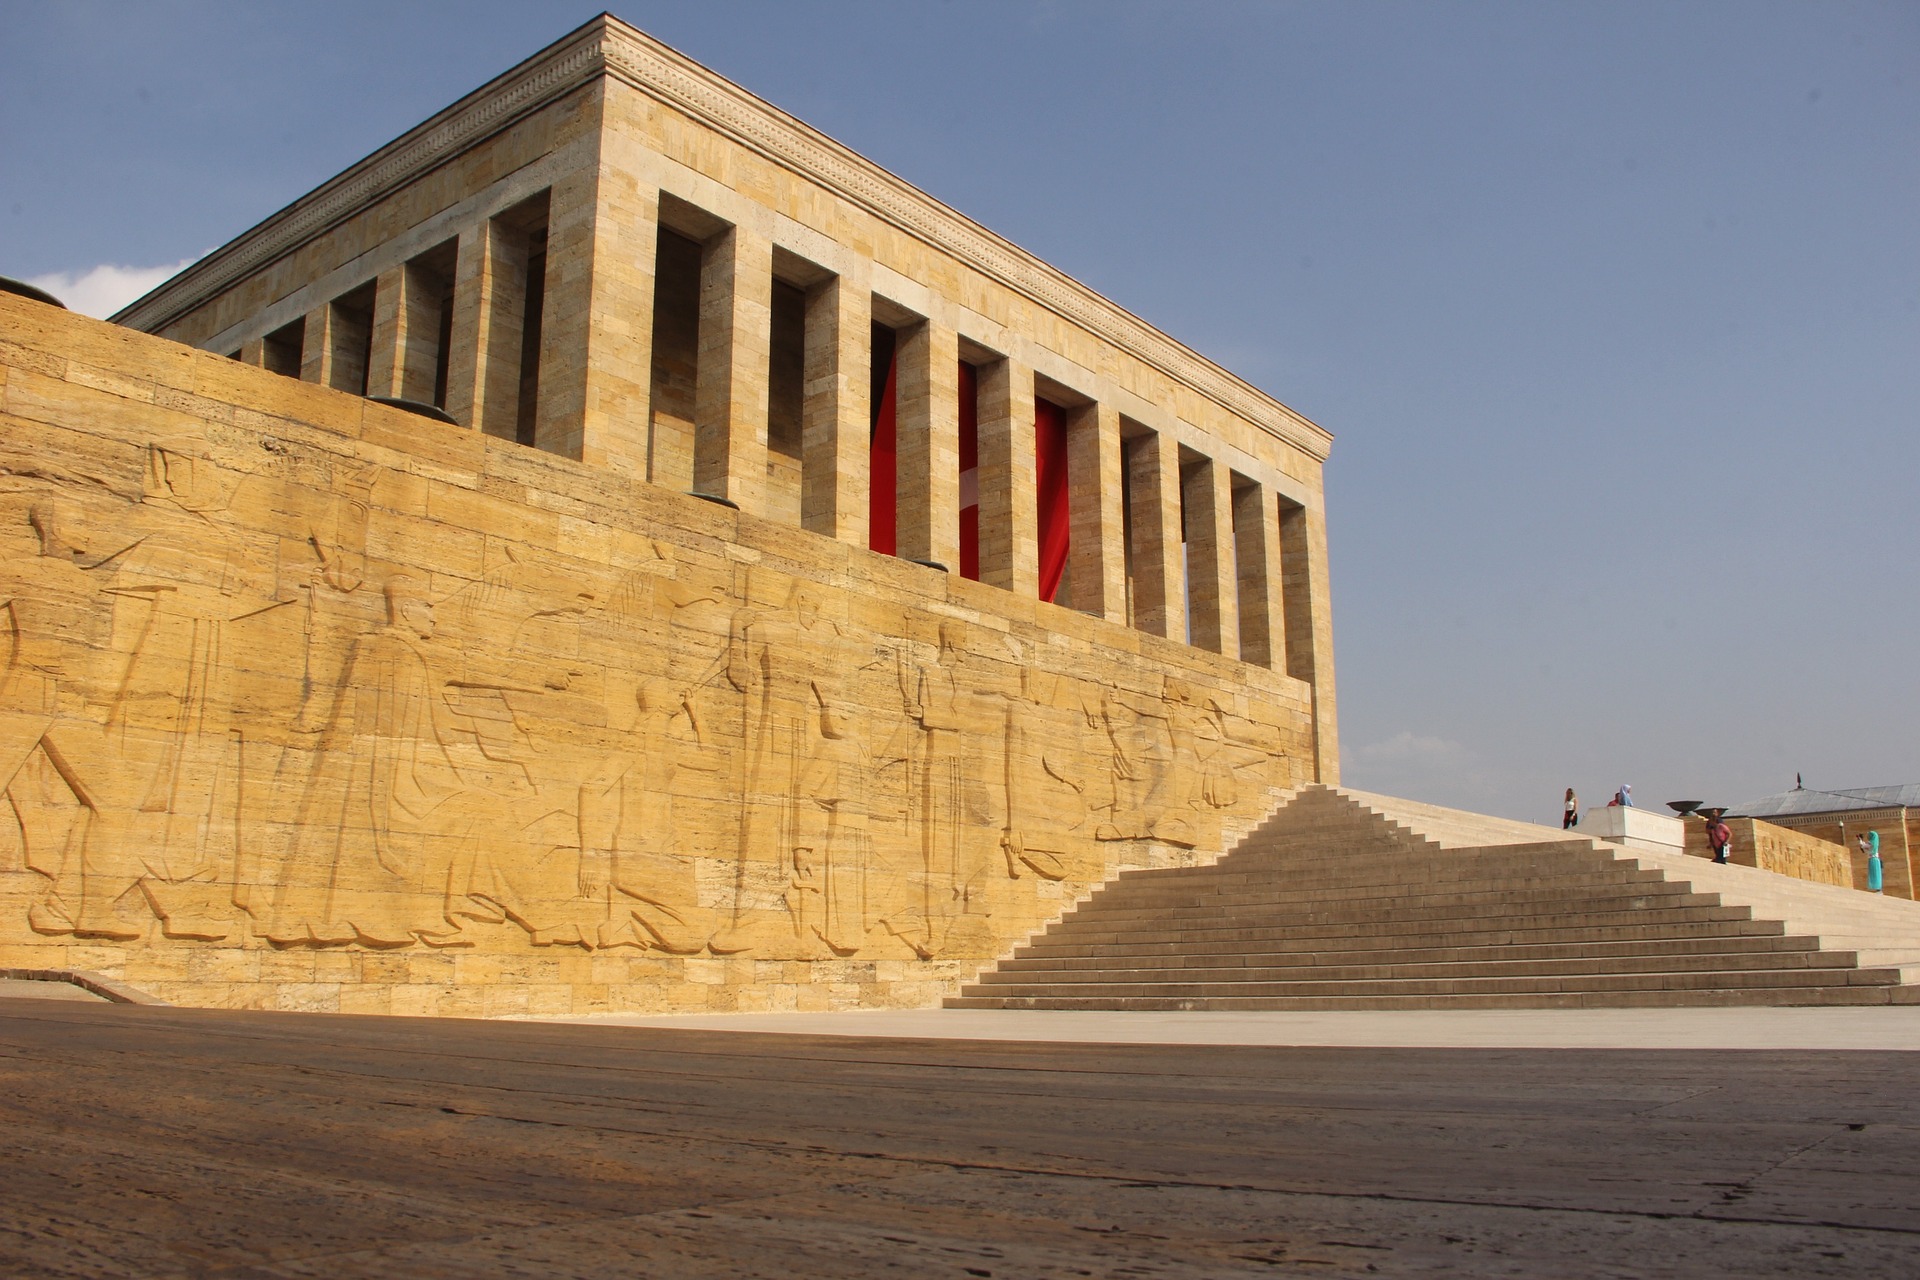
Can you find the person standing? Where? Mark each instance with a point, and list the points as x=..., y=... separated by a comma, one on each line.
x=1719, y=835
x=1875, y=871
x=1571, y=816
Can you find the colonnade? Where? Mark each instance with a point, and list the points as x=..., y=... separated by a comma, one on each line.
x=551, y=323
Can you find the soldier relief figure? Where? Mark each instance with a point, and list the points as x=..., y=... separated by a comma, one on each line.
x=833, y=848
x=42, y=687
x=138, y=738
x=627, y=830
x=389, y=838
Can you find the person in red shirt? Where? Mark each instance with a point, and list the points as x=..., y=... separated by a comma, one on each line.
x=1719, y=835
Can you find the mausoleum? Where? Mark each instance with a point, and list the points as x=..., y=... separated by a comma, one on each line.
x=773, y=589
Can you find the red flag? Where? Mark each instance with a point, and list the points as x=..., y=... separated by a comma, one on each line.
x=1050, y=490
x=969, y=471
x=883, y=484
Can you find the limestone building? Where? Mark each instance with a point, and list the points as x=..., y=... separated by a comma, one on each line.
x=1840, y=818
x=809, y=596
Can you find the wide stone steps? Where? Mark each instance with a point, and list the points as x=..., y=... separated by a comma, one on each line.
x=1386, y=922
x=1628, y=928
x=1331, y=903
x=1408, y=878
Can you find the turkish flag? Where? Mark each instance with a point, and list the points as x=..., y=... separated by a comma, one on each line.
x=1050, y=491
x=883, y=483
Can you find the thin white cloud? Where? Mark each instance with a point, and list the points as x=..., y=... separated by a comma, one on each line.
x=1407, y=746
x=100, y=291
x=1419, y=767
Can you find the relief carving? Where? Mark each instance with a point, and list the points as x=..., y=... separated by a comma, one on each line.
x=946, y=812
x=782, y=662
x=1045, y=801
x=46, y=627
x=1144, y=784
x=833, y=853
x=631, y=857
x=385, y=812
x=228, y=715
x=150, y=759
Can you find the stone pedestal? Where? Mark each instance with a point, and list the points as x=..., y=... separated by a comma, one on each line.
x=1635, y=828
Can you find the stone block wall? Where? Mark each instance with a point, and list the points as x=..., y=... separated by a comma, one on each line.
x=1779, y=849
x=1899, y=837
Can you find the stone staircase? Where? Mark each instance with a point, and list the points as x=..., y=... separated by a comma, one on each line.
x=1344, y=900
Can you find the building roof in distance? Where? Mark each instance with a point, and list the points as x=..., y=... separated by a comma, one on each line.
x=1907, y=794
x=1802, y=801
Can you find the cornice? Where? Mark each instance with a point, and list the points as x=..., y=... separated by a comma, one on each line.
x=607, y=46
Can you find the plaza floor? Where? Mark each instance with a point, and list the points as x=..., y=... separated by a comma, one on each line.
x=146, y=1141
x=1890, y=1027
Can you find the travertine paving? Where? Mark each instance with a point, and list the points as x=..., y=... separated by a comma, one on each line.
x=20, y=989
x=155, y=1142
x=1751, y=1027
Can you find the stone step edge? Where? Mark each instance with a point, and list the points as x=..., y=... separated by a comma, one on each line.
x=1119, y=906
x=1771, y=997
x=1665, y=981
x=1033, y=968
x=1469, y=971
x=1567, y=917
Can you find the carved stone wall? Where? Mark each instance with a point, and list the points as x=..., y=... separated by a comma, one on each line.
x=1842, y=831
x=1781, y=850
x=309, y=703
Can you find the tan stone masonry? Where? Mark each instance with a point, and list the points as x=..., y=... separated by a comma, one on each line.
x=316, y=704
x=599, y=698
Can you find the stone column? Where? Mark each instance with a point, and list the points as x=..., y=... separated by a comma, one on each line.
x=1256, y=554
x=254, y=352
x=392, y=316
x=422, y=301
x=730, y=397
x=836, y=412
x=489, y=306
x=1211, y=586
x=596, y=340
x=316, y=346
x=1309, y=625
x=1096, y=553
x=1159, y=577
x=464, y=358
x=1009, y=511
x=927, y=413
x=506, y=318
x=567, y=313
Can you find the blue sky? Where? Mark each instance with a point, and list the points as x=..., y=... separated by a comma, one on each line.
x=1613, y=309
